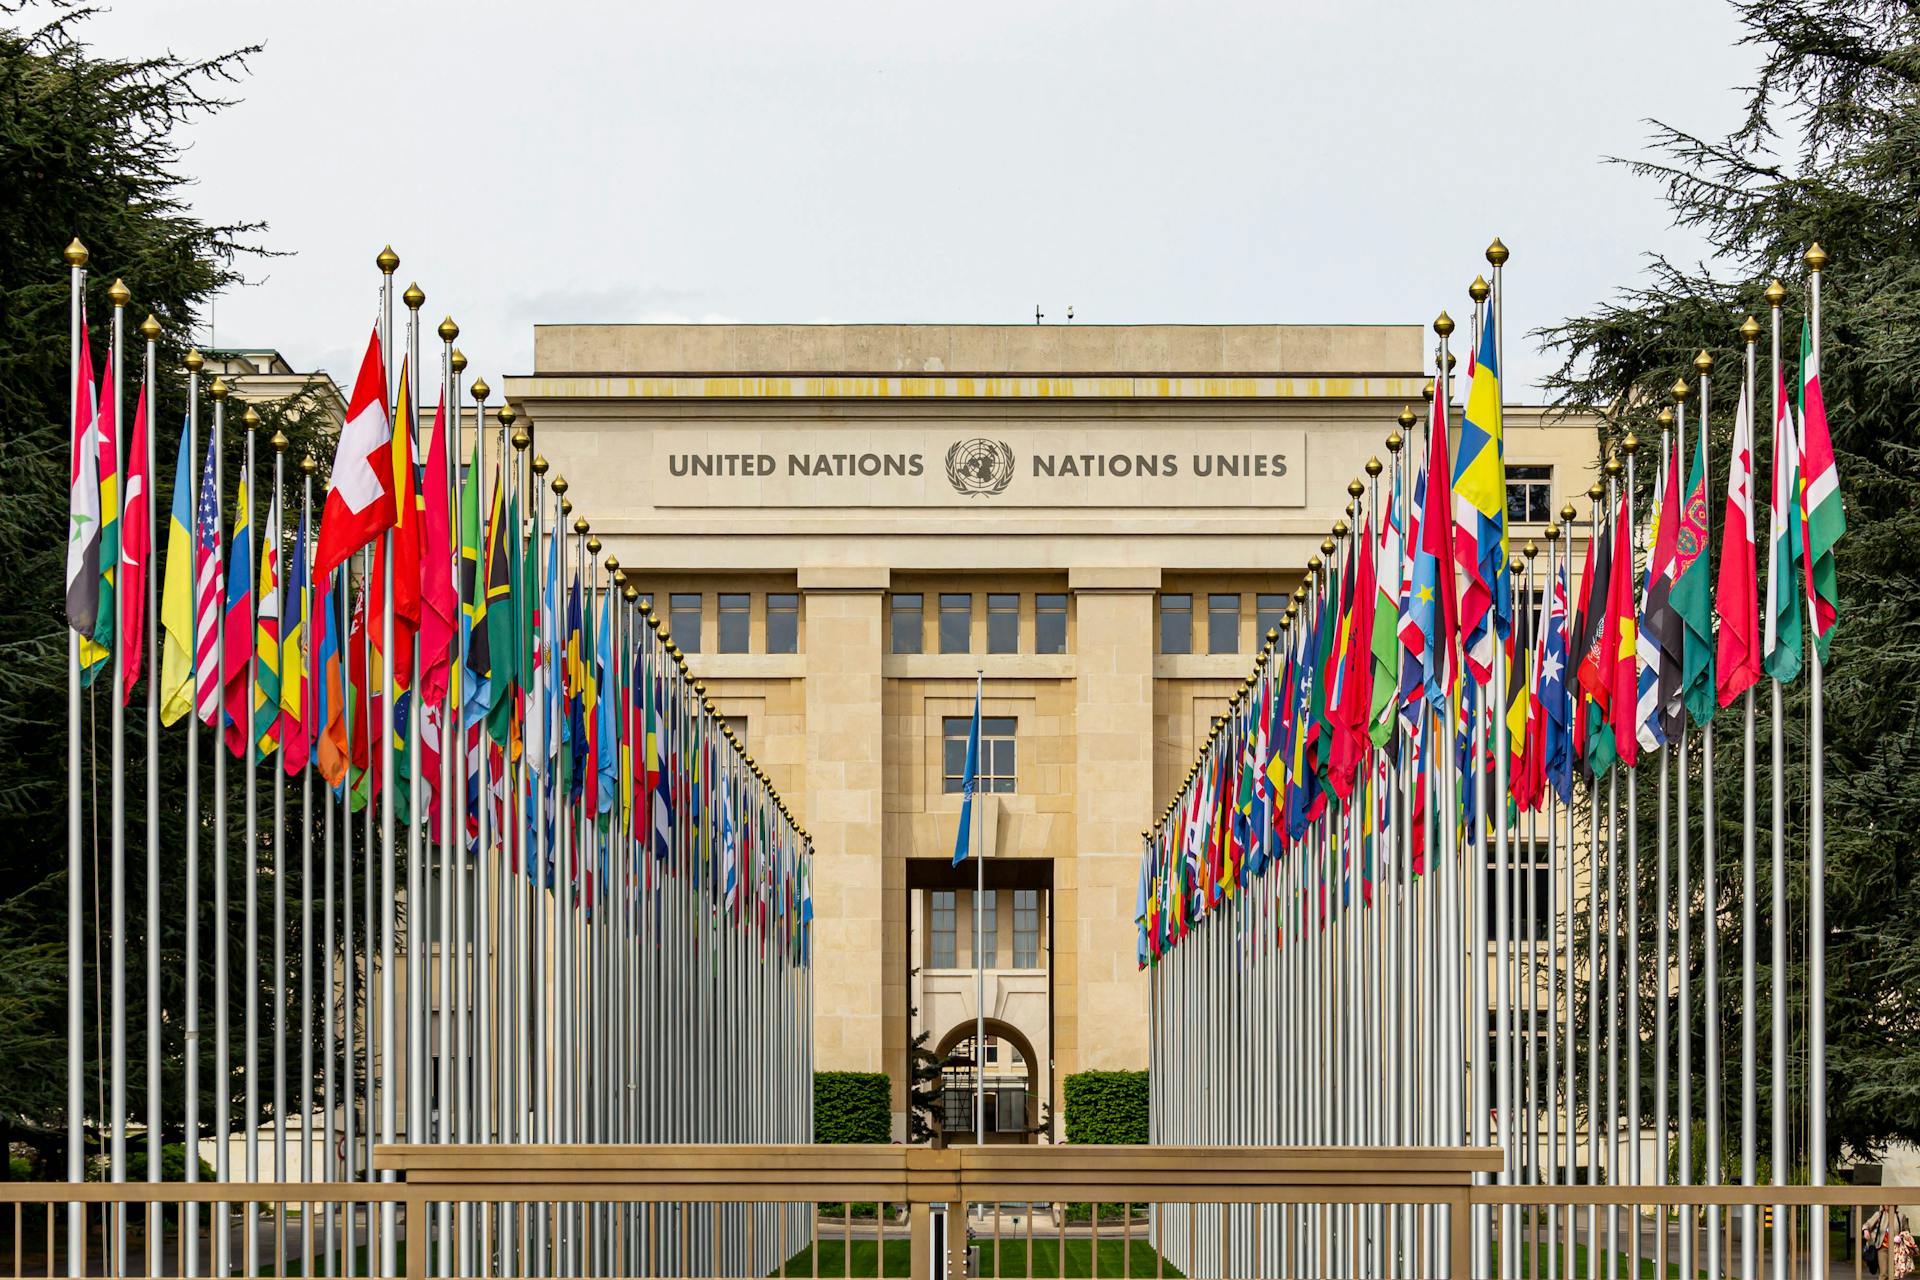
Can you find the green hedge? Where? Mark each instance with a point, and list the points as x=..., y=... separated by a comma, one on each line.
x=852, y=1106
x=1106, y=1107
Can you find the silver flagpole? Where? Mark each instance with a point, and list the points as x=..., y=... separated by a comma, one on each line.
x=1781, y=1154
x=452, y=772
x=1613, y=1172
x=389, y=1022
x=1683, y=979
x=979, y=963
x=1816, y=260
x=307, y=1165
x=278, y=441
x=117, y=867
x=190, y=1044
x=1597, y=525
x=1663, y=944
x=1631, y=986
x=1710, y=910
x=1559, y=1104
x=76, y=255
x=250, y=981
x=1749, y=936
x=150, y=330
x=416, y=890
x=222, y=998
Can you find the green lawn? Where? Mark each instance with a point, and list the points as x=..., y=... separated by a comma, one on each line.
x=1012, y=1260
x=297, y=1266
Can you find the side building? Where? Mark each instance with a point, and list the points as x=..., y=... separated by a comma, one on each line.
x=846, y=525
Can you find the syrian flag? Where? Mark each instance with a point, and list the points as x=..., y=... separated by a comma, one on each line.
x=360, y=502
x=1819, y=500
x=1736, y=597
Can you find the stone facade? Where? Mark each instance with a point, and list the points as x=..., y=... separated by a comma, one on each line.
x=849, y=469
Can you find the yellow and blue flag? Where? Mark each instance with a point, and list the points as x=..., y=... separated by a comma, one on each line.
x=1480, y=512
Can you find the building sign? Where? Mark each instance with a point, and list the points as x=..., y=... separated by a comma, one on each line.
x=963, y=465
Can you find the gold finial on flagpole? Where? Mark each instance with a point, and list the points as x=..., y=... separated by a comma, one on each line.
x=150, y=328
x=1679, y=390
x=414, y=297
x=613, y=563
x=539, y=464
x=1443, y=324
x=1597, y=491
x=506, y=415
x=1703, y=363
x=593, y=545
x=387, y=260
x=1665, y=419
x=581, y=526
x=76, y=254
x=480, y=390
x=1750, y=330
x=279, y=441
x=1553, y=532
x=250, y=420
x=1395, y=443
x=1614, y=468
x=1531, y=550
x=1339, y=529
x=1631, y=445
x=521, y=439
x=1497, y=252
x=560, y=485
x=1375, y=466
x=448, y=330
x=1355, y=488
x=193, y=360
x=118, y=293
x=1426, y=392
x=630, y=592
x=1567, y=513
x=459, y=360
x=1479, y=289
x=219, y=388
x=308, y=466
x=1776, y=294
x=1406, y=418
x=1816, y=258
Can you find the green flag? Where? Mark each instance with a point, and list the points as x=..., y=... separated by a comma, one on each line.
x=1692, y=594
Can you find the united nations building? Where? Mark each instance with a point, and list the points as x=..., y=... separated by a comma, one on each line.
x=845, y=525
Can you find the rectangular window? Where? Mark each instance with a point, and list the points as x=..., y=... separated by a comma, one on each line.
x=1223, y=622
x=783, y=622
x=1003, y=623
x=940, y=953
x=996, y=752
x=956, y=623
x=1268, y=609
x=1050, y=624
x=684, y=620
x=1176, y=623
x=909, y=623
x=956, y=1104
x=1026, y=928
x=988, y=904
x=735, y=621
x=1529, y=493
x=1530, y=872
x=1010, y=1110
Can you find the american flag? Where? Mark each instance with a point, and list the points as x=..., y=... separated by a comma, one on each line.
x=209, y=572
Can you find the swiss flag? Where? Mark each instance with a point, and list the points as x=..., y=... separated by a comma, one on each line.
x=360, y=502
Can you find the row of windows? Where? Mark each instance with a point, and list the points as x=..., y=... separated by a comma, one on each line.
x=686, y=618
x=1221, y=623
x=1026, y=928
x=1006, y=1108
x=954, y=622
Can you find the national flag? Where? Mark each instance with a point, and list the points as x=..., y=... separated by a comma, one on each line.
x=405, y=542
x=1786, y=539
x=176, y=597
x=266, y=632
x=474, y=680
x=1350, y=716
x=1736, y=595
x=439, y=589
x=83, y=496
x=577, y=659
x=1480, y=511
x=969, y=783
x=500, y=620
x=296, y=701
x=331, y=752
x=1557, y=755
x=1434, y=607
x=1825, y=520
x=607, y=703
x=237, y=629
x=1390, y=574
x=136, y=552
x=1620, y=639
x=360, y=498
x=1519, y=657
x=96, y=647
x=209, y=569
x=1692, y=596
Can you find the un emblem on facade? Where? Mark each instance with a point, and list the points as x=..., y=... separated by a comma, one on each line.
x=980, y=468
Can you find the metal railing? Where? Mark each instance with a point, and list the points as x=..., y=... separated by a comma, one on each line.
x=915, y=1213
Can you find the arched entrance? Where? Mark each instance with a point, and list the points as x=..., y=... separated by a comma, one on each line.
x=1012, y=1099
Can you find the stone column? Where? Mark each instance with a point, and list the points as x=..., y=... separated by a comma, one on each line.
x=855, y=977
x=1101, y=997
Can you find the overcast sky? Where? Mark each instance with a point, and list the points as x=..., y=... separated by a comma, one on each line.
x=856, y=160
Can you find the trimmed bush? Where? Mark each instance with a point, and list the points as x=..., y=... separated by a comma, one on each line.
x=852, y=1106
x=1106, y=1108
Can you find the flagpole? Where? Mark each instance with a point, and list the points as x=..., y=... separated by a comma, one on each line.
x=1597, y=518
x=453, y=739
x=269, y=555
x=1816, y=261
x=1710, y=905
x=1683, y=1129
x=1613, y=469
x=1663, y=945
x=76, y=256
x=416, y=891
x=389, y=1021
x=190, y=1043
x=1749, y=931
x=117, y=869
x=308, y=713
x=150, y=330
x=222, y=998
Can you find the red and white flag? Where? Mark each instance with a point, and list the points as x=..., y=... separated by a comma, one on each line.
x=1737, y=597
x=360, y=501
x=136, y=552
